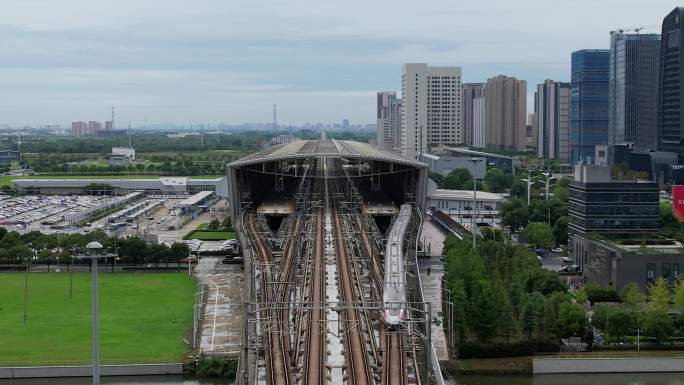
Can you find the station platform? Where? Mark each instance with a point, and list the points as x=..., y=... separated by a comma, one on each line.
x=280, y=207
x=379, y=208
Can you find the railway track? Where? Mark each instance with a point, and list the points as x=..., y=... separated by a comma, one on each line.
x=315, y=359
x=358, y=371
x=278, y=370
x=394, y=373
x=374, y=354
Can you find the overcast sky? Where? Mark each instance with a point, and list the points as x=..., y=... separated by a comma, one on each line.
x=319, y=60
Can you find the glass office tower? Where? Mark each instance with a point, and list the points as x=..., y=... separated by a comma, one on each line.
x=588, y=103
x=671, y=91
x=633, y=85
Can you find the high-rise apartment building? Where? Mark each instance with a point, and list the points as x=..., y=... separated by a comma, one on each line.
x=471, y=92
x=552, y=114
x=532, y=129
x=479, y=119
x=588, y=103
x=633, y=90
x=79, y=128
x=506, y=113
x=431, y=107
x=93, y=127
x=671, y=81
x=389, y=121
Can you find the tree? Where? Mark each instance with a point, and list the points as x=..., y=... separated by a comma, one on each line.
x=519, y=189
x=560, y=230
x=20, y=253
x=514, y=213
x=544, y=281
x=506, y=322
x=668, y=222
x=571, y=319
x=560, y=190
x=214, y=224
x=620, y=322
x=598, y=293
x=600, y=316
x=658, y=325
x=517, y=296
x=623, y=172
x=437, y=178
x=227, y=224
x=539, y=234
x=551, y=316
x=532, y=312
x=659, y=295
x=457, y=179
x=497, y=180
x=483, y=314
x=462, y=262
x=632, y=296
x=679, y=295
x=581, y=296
x=460, y=301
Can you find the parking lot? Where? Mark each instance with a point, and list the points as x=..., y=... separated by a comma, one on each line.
x=45, y=212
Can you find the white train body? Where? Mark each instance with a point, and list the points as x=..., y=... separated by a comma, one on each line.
x=394, y=291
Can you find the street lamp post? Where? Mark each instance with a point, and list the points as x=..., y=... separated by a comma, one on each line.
x=529, y=185
x=95, y=252
x=548, y=177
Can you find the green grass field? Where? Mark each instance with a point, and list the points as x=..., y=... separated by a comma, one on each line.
x=143, y=318
x=210, y=235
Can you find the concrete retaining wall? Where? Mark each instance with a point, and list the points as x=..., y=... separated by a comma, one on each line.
x=86, y=370
x=607, y=365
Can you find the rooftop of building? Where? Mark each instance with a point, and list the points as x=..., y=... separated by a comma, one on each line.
x=467, y=151
x=465, y=195
x=323, y=148
x=643, y=246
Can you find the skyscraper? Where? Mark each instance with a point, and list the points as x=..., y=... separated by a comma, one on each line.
x=389, y=121
x=505, y=111
x=552, y=112
x=431, y=113
x=671, y=81
x=633, y=90
x=588, y=102
x=471, y=91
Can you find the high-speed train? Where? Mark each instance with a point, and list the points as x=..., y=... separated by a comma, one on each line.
x=394, y=291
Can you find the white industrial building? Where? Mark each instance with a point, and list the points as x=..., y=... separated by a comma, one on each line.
x=164, y=185
x=458, y=204
x=122, y=155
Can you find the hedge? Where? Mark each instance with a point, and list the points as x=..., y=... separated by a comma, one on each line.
x=516, y=349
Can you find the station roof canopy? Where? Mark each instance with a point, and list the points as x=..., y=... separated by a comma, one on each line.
x=195, y=199
x=324, y=148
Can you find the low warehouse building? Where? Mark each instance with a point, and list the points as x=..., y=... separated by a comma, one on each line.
x=163, y=185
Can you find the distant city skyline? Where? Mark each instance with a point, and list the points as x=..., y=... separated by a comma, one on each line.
x=229, y=62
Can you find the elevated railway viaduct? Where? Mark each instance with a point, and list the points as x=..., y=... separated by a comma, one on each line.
x=313, y=217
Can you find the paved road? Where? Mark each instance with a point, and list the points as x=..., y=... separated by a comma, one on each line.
x=433, y=236
x=221, y=320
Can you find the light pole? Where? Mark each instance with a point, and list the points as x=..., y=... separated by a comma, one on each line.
x=529, y=184
x=548, y=177
x=95, y=252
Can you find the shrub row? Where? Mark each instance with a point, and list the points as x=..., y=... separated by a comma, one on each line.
x=516, y=349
